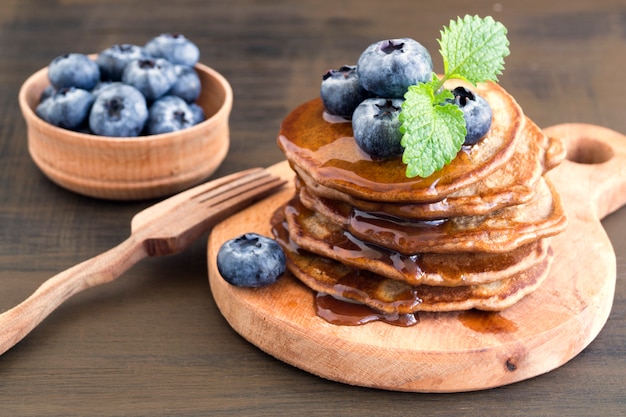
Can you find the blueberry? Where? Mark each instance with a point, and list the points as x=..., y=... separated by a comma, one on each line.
x=174, y=47
x=476, y=112
x=187, y=85
x=169, y=114
x=67, y=108
x=113, y=60
x=198, y=113
x=101, y=86
x=341, y=91
x=387, y=68
x=73, y=70
x=251, y=260
x=47, y=92
x=120, y=110
x=153, y=77
x=376, y=127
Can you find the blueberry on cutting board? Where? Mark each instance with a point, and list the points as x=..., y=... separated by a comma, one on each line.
x=251, y=260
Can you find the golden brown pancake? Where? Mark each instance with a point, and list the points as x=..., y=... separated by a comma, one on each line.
x=310, y=231
x=502, y=231
x=327, y=153
x=511, y=184
x=329, y=276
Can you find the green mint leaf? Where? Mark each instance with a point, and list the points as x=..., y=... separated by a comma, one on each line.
x=433, y=129
x=474, y=49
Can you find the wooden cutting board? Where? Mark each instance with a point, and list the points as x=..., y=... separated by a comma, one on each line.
x=451, y=352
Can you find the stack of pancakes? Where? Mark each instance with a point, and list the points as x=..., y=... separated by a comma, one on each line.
x=472, y=235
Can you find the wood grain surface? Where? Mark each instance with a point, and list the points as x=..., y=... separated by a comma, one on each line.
x=451, y=352
x=154, y=343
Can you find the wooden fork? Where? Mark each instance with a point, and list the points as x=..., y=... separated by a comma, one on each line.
x=165, y=228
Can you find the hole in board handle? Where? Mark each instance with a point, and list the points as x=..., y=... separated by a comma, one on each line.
x=584, y=150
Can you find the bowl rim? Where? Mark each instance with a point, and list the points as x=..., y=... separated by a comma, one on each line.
x=32, y=118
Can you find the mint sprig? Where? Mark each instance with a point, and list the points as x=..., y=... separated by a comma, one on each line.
x=433, y=134
x=473, y=49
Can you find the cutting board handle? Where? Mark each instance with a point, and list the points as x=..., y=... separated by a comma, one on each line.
x=594, y=171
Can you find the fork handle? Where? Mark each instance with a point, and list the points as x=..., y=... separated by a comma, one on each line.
x=20, y=320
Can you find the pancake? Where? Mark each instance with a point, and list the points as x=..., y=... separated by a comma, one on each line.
x=511, y=184
x=327, y=152
x=328, y=276
x=502, y=231
x=309, y=230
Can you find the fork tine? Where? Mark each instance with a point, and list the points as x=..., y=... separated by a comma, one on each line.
x=232, y=189
x=232, y=180
x=241, y=197
x=148, y=215
x=207, y=209
x=225, y=202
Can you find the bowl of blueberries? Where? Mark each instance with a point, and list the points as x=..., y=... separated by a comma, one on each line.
x=130, y=122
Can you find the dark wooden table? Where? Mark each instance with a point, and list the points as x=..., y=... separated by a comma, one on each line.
x=153, y=343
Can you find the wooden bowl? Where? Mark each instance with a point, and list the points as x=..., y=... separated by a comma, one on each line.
x=134, y=168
